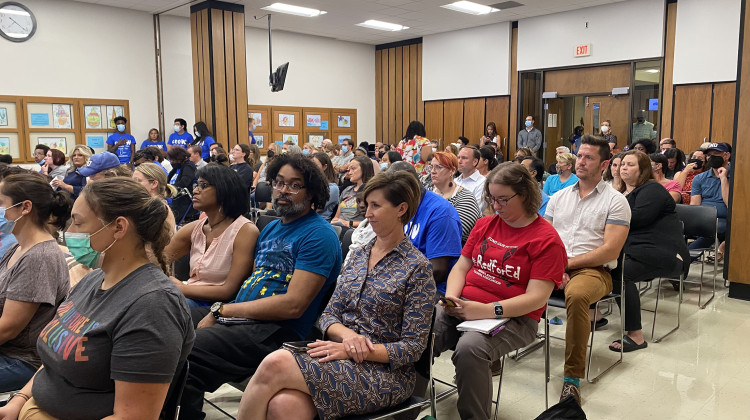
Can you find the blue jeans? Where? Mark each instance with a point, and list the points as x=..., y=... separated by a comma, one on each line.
x=14, y=374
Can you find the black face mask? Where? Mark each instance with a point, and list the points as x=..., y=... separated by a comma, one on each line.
x=715, y=162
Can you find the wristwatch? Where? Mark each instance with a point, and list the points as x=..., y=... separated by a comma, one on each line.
x=216, y=309
x=498, y=310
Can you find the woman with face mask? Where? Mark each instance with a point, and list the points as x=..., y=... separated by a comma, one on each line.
x=114, y=345
x=203, y=139
x=33, y=274
x=240, y=158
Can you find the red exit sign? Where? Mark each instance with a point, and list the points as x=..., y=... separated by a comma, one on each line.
x=583, y=50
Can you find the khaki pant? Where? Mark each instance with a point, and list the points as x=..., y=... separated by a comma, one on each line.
x=31, y=411
x=586, y=286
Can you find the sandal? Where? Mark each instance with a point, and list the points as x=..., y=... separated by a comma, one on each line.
x=628, y=346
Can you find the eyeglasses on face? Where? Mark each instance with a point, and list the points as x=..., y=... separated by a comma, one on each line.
x=502, y=201
x=293, y=188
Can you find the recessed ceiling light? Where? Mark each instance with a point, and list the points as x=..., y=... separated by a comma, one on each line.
x=470, y=8
x=294, y=10
x=383, y=26
x=652, y=71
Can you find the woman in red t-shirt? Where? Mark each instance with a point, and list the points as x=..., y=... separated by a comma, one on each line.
x=508, y=268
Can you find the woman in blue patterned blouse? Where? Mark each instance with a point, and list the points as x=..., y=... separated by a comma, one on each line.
x=376, y=325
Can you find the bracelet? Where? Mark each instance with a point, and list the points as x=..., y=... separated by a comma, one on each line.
x=21, y=394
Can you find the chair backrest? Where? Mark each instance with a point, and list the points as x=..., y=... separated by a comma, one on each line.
x=263, y=192
x=698, y=221
x=171, y=408
x=264, y=220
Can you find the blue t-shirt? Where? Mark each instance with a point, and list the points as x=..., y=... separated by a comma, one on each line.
x=182, y=140
x=308, y=243
x=708, y=186
x=543, y=207
x=553, y=184
x=160, y=144
x=436, y=230
x=206, y=146
x=123, y=152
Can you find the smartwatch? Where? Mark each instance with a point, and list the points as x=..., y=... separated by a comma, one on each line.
x=216, y=309
x=498, y=310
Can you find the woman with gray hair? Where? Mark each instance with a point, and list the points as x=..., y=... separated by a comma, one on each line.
x=565, y=176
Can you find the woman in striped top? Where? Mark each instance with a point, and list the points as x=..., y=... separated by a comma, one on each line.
x=443, y=166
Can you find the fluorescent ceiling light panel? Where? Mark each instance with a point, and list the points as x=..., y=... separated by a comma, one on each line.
x=383, y=26
x=470, y=8
x=293, y=10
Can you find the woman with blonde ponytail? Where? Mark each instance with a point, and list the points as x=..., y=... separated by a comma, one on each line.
x=114, y=345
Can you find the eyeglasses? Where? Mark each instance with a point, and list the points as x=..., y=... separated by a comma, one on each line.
x=202, y=185
x=292, y=188
x=502, y=201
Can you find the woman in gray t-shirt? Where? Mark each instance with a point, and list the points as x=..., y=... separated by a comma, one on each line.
x=33, y=274
x=114, y=345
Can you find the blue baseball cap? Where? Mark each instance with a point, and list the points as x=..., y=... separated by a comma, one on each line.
x=99, y=162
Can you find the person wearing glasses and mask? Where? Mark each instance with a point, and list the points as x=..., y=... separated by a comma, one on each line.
x=283, y=296
x=507, y=269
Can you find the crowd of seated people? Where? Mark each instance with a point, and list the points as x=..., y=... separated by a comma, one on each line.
x=418, y=228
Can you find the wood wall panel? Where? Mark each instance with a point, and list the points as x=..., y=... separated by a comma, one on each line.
x=739, y=197
x=433, y=124
x=586, y=80
x=692, y=114
x=398, y=89
x=453, y=120
x=667, y=85
x=378, y=95
x=722, y=117
x=496, y=110
x=474, y=119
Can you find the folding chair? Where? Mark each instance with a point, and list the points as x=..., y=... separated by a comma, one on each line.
x=701, y=221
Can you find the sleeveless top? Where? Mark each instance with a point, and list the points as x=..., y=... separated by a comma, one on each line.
x=209, y=267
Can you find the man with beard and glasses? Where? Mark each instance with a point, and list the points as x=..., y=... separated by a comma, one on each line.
x=297, y=261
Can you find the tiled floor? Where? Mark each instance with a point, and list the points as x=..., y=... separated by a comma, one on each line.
x=699, y=372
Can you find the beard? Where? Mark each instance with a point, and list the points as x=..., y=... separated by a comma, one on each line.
x=287, y=210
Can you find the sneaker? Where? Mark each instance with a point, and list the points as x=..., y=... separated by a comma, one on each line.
x=570, y=390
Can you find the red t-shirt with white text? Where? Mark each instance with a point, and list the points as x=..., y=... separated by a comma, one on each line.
x=504, y=258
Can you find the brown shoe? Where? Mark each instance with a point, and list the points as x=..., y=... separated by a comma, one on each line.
x=570, y=389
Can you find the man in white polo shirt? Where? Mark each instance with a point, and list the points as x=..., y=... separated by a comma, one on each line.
x=593, y=220
x=470, y=178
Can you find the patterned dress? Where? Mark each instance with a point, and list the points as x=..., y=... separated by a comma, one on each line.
x=392, y=304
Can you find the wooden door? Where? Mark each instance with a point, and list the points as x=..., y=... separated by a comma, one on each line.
x=615, y=109
x=553, y=128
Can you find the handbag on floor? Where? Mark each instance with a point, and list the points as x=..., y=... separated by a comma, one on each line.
x=567, y=409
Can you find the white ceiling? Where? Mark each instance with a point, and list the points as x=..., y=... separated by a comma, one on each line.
x=423, y=17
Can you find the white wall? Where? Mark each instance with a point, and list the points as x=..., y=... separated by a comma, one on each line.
x=707, y=39
x=78, y=51
x=322, y=72
x=466, y=63
x=626, y=30
x=177, y=71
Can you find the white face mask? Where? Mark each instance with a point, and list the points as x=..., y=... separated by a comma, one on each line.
x=605, y=129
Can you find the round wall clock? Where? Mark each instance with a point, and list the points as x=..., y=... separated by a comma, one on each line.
x=17, y=23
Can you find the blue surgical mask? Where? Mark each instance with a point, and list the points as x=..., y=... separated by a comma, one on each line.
x=384, y=166
x=528, y=123
x=121, y=127
x=177, y=128
x=344, y=149
x=79, y=244
x=6, y=226
x=305, y=152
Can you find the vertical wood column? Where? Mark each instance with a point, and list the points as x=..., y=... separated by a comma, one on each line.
x=219, y=69
x=737, y=263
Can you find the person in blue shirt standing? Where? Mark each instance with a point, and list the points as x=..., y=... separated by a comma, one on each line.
x=180, y=137
x=154, y=139
x=203, y=139
x=121, y=143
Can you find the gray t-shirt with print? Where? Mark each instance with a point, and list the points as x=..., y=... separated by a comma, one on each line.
x=39, y=276
x=139, y=330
